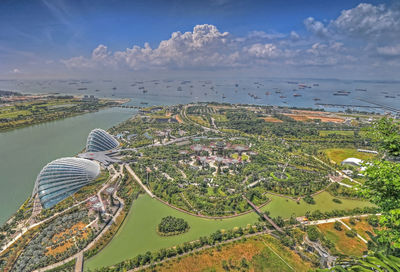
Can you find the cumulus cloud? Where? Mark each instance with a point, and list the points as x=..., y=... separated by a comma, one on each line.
x=206, y=47
x=363, y=21
x=367, y=20
x=316, y=27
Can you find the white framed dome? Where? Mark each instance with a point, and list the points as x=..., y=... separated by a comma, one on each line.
x=100, y=140
x=63, y=177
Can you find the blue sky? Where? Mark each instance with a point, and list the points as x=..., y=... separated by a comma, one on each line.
x=55, y=38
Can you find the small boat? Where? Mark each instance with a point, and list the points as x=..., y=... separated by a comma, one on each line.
x=223, y=96
x=82, y=89
x=144, y=103
x=267, y=93
x=282, y=96
x=145, y=91
x=114, y=88
x=296, y=95
x=316, y=99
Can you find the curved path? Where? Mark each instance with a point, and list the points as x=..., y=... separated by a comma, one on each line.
x=147, y=190
x=79, y=255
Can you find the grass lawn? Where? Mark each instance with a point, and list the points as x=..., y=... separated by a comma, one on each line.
x=349, y=182
x=339, y=154
x=260, y=253
x=337, y=132
x=285, y=207
x=343, y=244
x=138, y=232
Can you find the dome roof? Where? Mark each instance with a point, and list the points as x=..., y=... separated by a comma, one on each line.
x=100, y=140
x=63, y=177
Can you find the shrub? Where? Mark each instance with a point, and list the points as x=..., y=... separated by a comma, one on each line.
x=351, y=233
x=336, y=200
x=338, y=225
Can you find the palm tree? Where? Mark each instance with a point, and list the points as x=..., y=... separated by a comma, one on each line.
x=376, y=262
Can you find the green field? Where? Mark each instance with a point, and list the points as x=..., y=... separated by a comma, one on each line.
x=138, y=233
x=336, y=132
x=284, y=207
x=339, y=154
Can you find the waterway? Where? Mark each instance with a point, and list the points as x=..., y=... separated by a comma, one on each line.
x=24, y=152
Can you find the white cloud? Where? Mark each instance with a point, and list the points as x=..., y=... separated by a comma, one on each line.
x=263, y=50
x=389, y=51
x=205, y=47
x=368, y=21
x=316, y=27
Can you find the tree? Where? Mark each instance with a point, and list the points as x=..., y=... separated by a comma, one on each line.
x=382, y=186
x=243, y=263
x=386, y=134
x=337, y=225
x=376, y=262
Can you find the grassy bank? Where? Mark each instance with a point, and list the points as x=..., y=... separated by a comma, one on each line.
x=138, y=233
x=284, y=207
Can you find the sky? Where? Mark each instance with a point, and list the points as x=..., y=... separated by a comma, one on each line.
x=273, y=38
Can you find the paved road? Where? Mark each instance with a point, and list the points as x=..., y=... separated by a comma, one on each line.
x=333, y=220
x=138, y=180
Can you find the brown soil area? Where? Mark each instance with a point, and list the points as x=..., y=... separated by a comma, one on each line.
x=272, y=119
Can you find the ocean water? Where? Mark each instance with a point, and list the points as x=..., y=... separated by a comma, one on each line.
x=279, y=92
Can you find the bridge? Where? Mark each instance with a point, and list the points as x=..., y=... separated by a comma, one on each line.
x=263, y=215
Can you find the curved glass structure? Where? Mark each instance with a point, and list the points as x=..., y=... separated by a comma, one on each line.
x=100, y=140
x=63, y=177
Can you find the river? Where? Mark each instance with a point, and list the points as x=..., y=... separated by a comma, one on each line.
x=25, y=151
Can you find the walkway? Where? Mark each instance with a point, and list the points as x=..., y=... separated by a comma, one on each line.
x=92, y=243
x=358, y=235
x=263, y=215
x=139, y=181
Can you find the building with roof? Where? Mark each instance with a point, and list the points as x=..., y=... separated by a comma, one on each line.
x=352, y=161
x=63, y=177
x=100, y=140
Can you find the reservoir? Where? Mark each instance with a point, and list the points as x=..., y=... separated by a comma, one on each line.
x=24, y=152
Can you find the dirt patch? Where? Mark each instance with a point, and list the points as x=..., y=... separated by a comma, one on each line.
x=362, y=227
x=312, y=116
x=272, y=119
x=66, y=239
x=178, y=118
x=212, y=258
x=343, y=244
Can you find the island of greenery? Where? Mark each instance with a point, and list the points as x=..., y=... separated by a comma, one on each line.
x=172, y=226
